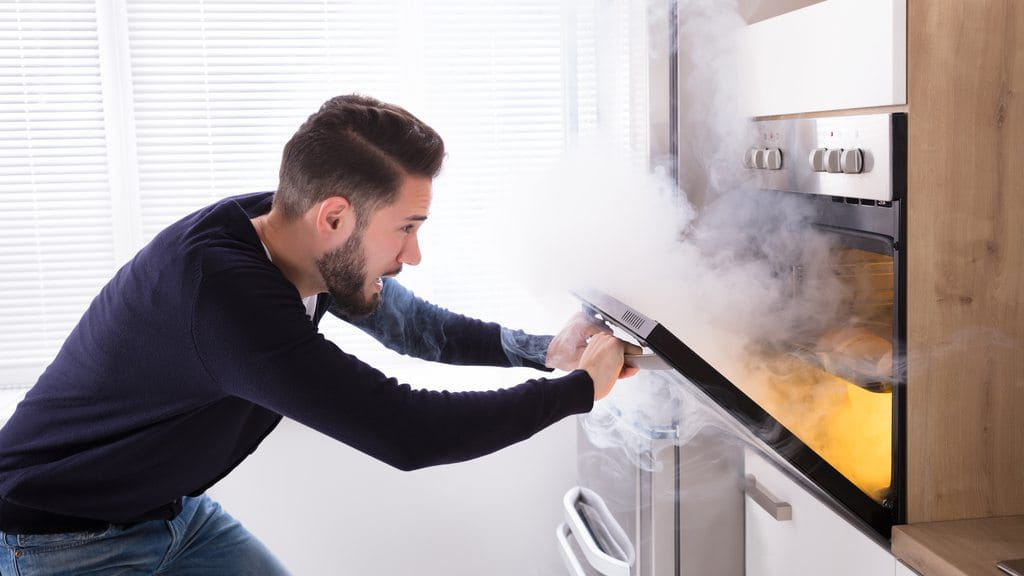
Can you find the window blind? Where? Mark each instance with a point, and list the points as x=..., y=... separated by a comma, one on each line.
x=214, y=89
x=494, y=86
x=219, y=87
x=56, y=248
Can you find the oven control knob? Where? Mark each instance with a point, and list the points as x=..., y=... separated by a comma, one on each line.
x=749, y=160
x=833, y=160
x=760, y=158
x=773, y=159
x=852, y=161
x=817, y=159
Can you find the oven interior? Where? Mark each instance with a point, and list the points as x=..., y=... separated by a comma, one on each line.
x=834, y=389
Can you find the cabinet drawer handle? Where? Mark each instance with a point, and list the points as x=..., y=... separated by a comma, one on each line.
x=781, y=511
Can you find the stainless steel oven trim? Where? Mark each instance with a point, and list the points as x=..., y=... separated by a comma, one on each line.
x=795, y=140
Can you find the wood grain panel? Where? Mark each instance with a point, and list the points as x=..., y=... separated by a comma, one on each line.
x=965, y=414
x=960, y=548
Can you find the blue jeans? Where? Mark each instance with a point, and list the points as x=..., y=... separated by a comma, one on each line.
x=202, y=540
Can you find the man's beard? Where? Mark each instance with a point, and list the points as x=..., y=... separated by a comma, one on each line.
x=344, y=272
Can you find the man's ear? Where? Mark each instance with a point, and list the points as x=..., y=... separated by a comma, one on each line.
x=334, y=214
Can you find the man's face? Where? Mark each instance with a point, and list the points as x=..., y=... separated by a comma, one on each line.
x=353, y=271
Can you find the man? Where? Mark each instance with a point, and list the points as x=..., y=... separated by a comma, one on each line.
x=195, y=349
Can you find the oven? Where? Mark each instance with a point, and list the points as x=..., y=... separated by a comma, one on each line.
x=851, y=172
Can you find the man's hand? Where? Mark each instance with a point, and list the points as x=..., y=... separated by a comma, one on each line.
x=602, y=359
x=567, y=347
x=589, y=345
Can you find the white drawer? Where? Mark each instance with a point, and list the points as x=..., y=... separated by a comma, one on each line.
x=813, y=540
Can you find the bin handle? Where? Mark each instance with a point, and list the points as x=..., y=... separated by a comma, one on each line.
x=571, y=561
x=601, y=561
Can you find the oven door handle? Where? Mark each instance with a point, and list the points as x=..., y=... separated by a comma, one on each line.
x=599, y=522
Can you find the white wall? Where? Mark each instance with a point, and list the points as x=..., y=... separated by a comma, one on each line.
x=325, y=508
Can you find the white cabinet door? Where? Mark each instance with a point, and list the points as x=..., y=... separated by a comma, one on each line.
x=833, y=55
x=810, y=539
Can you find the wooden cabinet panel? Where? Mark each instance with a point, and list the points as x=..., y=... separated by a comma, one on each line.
x=965, y=228
x=960, y=547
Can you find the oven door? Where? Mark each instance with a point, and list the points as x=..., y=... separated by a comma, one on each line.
x=764, y=430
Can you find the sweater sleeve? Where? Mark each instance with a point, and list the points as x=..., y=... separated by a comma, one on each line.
x=251, y=334
x=410, y=325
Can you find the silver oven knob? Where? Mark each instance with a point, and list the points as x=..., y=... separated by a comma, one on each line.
x=748, y=158
x=760, y=158
x=833, y=161
x=817, y=159
x=852, y=161
x=773, y=159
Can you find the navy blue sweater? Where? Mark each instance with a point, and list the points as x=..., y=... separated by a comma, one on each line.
x=195, y=349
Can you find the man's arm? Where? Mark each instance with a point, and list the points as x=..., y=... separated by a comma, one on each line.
x=251, y=334
x=410, y=325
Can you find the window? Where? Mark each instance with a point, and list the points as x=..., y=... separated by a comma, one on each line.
x=56, y=246
x=120, y=117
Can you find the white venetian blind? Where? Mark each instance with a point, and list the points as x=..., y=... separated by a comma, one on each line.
x=510, y=84
x=205, y=94
x=56, y=246
x=219, y=87
x=494, y=85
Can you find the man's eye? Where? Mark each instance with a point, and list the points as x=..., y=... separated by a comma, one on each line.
x=408, y=228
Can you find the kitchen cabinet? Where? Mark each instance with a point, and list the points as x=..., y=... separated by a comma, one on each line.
x=965, y=262
x=790, y=532
x=873, y=74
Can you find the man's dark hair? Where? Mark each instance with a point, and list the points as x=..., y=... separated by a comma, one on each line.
x=358, y=148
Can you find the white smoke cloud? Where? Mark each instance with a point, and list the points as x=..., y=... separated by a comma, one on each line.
x=718, y=276
x=727, y=269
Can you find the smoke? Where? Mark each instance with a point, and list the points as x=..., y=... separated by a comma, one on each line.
x=713, y=262
x=649, y=410
x=732, y=271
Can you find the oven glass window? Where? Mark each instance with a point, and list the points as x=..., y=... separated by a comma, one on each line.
x=834, y=391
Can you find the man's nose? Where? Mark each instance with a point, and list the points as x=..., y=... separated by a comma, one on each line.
x=410, y=253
